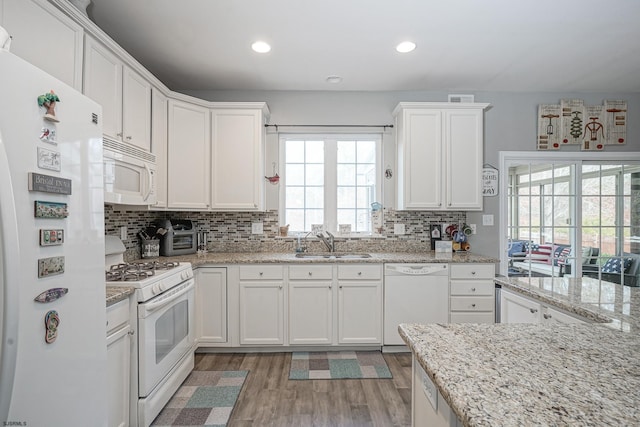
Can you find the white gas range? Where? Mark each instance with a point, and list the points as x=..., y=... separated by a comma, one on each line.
x=165, y=292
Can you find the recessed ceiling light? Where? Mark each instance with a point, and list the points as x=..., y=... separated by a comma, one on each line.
x=334, y=79
x=405, y=47
x=261, y=47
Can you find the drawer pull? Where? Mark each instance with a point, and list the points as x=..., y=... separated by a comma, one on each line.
x=473, y=305
x=359, y=273
x=261, y=273
x=310, y=274
x=533, y=310
x=473, y=273
x=546, y=316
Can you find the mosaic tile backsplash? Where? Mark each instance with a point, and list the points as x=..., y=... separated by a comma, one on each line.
x=231, y=231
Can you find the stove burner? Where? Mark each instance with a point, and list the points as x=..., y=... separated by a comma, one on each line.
x=137, y=270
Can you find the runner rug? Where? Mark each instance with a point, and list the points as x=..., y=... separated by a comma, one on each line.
x=206, y=398
x=337, y=365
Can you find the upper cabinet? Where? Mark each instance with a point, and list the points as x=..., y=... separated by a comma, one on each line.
x=125, y=96
x=188, y=156
x=440, y=155
x=45, y=37
x=237, y=157
x=159, y=144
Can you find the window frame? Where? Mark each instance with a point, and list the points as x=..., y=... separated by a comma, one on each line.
x=508, y=159
x=330, y=222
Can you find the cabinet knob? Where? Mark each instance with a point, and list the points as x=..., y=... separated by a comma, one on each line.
x=261, y=273
x=473, y=273
x=310, y=274
x=473, y=305
x=119, y=134
x=359, y=273
x=473, y=289
x=280, y=287
x=533, y=310
x=546, y=316
x=131, y=332
x=129, y=138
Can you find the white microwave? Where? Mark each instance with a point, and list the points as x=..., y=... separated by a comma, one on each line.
x=129, y=174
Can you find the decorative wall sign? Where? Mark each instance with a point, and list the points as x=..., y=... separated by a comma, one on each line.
x=48, y=135
x=50, y=210
x=49, y=184
x=48, y=159
x=50, y=266
x=51, y=237
x=51, y=295
x=489, y=181
x=592, y=126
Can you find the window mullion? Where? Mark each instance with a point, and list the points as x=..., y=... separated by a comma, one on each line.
x=331, y=185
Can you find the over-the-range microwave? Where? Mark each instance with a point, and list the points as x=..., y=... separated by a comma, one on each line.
x=129, y=174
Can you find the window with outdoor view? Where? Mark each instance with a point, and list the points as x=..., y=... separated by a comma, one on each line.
x=330, y=180
x=574, y=218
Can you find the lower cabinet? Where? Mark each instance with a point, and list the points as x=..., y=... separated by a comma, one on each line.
x=472, y=293
x=311, y=313
x=119, y=334
x=515, y=308
x=428, y=407
x=211, y=305
x=261, y=298
x=360, y=304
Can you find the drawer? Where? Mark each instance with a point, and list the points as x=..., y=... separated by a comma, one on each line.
x=472, y=271
x=261, y=272
x=360, y=272
x=117, y=315
x=472, y=287
x=467, y=317
x=310, y=272
x=472, y=303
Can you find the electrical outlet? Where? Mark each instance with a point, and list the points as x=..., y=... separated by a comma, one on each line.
x=473, y=228
x=398, y=229
x=256, y=228
x=123, y=232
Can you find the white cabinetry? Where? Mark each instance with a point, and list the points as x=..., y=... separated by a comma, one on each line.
x=472, y=293
x=359, y=304
x=125, y=96
x=159, y=114
x=45, y=37
x=211, y=306
x=440, y=152
x=515, y=308
x=188, y=156
x=311, y=311
x=262, y=298
x=237, y=157
x=428, y=407
x=119, y=333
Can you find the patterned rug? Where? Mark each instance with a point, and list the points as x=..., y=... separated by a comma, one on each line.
x=206, y=398
x=338, y=364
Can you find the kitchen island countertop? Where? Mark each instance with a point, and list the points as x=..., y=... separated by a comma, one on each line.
x=541, y=374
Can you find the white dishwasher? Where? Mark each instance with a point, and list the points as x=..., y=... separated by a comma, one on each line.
x=414, y=293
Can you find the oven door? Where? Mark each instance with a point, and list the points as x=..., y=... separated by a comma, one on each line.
x=165, y=334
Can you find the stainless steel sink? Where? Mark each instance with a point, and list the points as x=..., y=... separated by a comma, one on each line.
x=334, y=255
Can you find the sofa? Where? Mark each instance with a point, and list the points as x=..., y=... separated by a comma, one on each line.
x=623, y=270
x=546, y=259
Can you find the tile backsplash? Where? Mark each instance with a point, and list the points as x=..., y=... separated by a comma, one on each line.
x=231, y=231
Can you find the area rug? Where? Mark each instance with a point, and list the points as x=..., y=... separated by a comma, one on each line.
x=337, y=365
x=205, y=398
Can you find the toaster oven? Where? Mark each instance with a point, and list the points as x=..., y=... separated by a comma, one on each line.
x=180, y=238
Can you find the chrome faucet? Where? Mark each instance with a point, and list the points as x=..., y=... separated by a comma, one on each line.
x=329, y=243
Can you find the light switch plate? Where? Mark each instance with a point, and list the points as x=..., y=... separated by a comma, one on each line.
x=398, y=229
x=487, y=219
x=256, y=228
x=123, y=232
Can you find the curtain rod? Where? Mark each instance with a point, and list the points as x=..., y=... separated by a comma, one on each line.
x=330, y=126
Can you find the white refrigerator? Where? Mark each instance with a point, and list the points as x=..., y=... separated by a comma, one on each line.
x=52, y=285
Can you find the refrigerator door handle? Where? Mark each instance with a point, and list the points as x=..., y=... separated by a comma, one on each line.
x=9, y=289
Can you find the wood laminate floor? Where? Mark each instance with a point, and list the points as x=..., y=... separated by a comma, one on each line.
x=269, y=398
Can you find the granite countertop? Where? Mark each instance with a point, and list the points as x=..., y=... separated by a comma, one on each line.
x=541, y=374
x=118, y=293
x=289, y=257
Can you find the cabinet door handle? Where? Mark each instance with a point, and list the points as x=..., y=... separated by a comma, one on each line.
x=533, y=310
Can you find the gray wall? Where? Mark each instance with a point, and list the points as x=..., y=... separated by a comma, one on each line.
x=510, y=125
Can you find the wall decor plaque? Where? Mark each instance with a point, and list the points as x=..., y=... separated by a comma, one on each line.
x=49, y=184
x=48, y=159
x=51, y=237
x=50, y=266
x=50, y=209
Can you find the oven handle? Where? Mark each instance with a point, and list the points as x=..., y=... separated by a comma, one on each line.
x=164, y=301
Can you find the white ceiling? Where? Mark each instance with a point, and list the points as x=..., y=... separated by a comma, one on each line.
x=462, y=45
